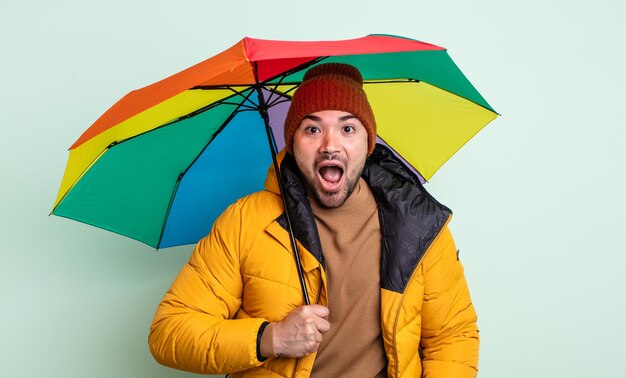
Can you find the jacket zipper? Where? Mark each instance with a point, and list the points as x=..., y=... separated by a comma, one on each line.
x=395, y=325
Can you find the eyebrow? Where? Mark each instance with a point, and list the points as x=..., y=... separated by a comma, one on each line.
x=312, y=118
x=318, y=119
x=347, y=117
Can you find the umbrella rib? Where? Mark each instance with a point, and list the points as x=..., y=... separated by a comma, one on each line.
x=248, y=107
x=284, y=74
x=286, y=93
x=182, y=174
x=219, y=130
x=391, y=81
x=295, y=85
x=274, y=90
x=387, y=81
x=278, y=101
x=167, y=212
x=247, y=110
x=196, y=112
x=293, y=70
x=283, y=95
x=229, y=87
x=265, y=82
x=189, y=115
x=280, y=98
x=246, y=98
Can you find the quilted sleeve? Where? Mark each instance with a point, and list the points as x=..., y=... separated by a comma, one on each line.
x=450, y=339
x=193, y=328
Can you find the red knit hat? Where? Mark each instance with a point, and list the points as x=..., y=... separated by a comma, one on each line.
x=330, y=86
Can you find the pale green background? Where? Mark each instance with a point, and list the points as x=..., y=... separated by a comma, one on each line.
x=537, y=195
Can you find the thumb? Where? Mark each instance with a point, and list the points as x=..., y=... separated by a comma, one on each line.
x=319, y=310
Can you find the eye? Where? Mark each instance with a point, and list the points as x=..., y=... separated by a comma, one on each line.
x=311, y=129
x=348, y=129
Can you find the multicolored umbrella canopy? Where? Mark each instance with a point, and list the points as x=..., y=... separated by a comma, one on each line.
x=164, y=161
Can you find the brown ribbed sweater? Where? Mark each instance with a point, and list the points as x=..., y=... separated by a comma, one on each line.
x=351, y=243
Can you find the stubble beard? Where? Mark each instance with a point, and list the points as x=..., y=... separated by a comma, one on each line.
x=333, y=199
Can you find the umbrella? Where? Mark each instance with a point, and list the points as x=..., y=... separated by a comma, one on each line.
x=164, y=161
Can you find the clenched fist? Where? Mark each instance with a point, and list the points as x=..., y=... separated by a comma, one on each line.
x=298, y=334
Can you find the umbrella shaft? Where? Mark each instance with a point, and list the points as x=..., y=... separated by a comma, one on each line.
x=270, y=139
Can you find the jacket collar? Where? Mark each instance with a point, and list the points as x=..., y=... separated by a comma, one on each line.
x=410, y=217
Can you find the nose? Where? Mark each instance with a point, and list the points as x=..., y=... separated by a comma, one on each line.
x=330, y=143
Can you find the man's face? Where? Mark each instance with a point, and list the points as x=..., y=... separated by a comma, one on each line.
x=330, y=148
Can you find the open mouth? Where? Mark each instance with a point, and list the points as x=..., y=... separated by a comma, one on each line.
x=330, y=174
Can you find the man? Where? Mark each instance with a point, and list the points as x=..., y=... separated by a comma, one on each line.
x=388, y=292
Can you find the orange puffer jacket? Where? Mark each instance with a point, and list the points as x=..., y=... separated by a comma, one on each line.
x=243, y=274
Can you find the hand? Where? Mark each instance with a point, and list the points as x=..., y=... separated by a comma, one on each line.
x=298, y=334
